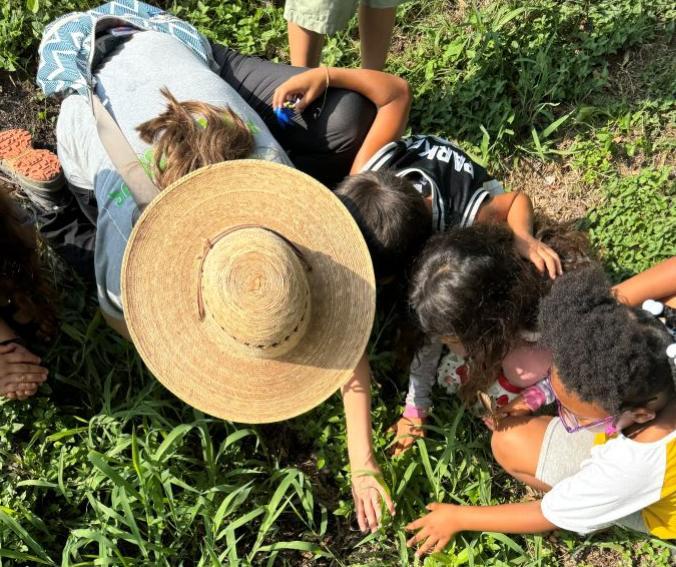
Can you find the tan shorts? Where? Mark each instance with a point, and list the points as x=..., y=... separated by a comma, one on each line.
x=328, y=16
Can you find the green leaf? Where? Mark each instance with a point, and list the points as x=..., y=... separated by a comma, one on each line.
x=33, y=5
x=13, y=525
x=554, y=126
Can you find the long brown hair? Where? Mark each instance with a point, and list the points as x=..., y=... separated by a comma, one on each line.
x=191, y=134
x=21, y=277
x=471, y=284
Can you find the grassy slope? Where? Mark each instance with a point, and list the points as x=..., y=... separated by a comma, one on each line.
x=572, y=101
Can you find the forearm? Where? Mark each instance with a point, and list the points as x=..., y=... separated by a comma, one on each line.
x=382, y=89
x=357, y=402
x=658, y=282
x=389, y=94
x=421, y=379
x=514, y=208
x=518, y=518
x=388, y=126
x=520, y=215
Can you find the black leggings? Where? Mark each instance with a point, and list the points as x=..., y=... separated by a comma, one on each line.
x=321, y=142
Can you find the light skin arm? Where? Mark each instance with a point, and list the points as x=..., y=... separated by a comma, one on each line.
x=367, y=488
x=658, y=282
x=390, y=95
x=516, y=210
x=444, y=521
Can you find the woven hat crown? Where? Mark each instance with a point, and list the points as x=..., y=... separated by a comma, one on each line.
x=254, y=285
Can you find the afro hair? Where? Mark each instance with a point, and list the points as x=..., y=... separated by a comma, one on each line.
x=605, y=352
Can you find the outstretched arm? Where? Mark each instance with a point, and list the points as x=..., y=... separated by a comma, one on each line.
x=390, y=95
x=368, y=489
x=516, y=210
x=658, y=282
x=444, y=521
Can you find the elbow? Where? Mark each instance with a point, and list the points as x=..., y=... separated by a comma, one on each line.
x=403, y=90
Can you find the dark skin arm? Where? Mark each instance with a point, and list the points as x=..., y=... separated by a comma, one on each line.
x=516, y=210
x=444, y=521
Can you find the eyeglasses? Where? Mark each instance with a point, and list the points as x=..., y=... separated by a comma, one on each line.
x=571, y=422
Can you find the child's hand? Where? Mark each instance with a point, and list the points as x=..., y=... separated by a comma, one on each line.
x=406, y=431
x=369, y=493
x=301, y=89
x=544, y=257
x=435, y=529
x=516, y=408
x=20, y=372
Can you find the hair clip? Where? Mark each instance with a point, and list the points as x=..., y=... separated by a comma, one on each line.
x=671, y=351
x=655, y=308
x=663, y=313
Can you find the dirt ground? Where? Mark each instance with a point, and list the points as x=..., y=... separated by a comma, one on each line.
x=22, y=105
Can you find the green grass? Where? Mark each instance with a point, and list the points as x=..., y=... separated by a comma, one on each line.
x=105, y=467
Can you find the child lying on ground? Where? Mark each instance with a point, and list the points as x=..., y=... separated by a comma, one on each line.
x=608, y=458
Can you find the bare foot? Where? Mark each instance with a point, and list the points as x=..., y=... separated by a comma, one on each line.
x=20, y=372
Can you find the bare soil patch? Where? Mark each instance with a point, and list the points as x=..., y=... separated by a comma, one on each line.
x=555, y=188
x=22, y=105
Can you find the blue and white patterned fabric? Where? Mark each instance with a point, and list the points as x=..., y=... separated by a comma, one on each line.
x=68, y=43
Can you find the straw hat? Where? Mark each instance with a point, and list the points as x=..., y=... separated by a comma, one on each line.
x=248, y=291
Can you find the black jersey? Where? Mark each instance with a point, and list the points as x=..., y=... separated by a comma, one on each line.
x=458, y=186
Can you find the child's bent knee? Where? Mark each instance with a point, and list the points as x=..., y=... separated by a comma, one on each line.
x=508, y=446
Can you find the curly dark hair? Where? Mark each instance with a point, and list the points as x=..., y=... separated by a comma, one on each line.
x=391, y=215
x=21, y=278
x=470, y=283
x=606, y=352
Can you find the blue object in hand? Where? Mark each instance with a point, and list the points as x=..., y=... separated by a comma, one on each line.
x=285, y=114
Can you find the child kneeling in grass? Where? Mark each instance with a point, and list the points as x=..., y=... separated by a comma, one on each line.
x=473, y=292
x=610, y=455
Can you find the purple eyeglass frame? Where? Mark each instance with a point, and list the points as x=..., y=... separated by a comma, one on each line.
x=566, y=416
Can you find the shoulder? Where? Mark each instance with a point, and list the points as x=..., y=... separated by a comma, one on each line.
x=620, y=477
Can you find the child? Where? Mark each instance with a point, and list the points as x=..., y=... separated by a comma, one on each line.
x=26, y=307
x=309, y=21
x=608, y=458
x=472, y=292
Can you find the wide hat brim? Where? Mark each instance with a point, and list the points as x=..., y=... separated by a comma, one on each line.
x=160, y=281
